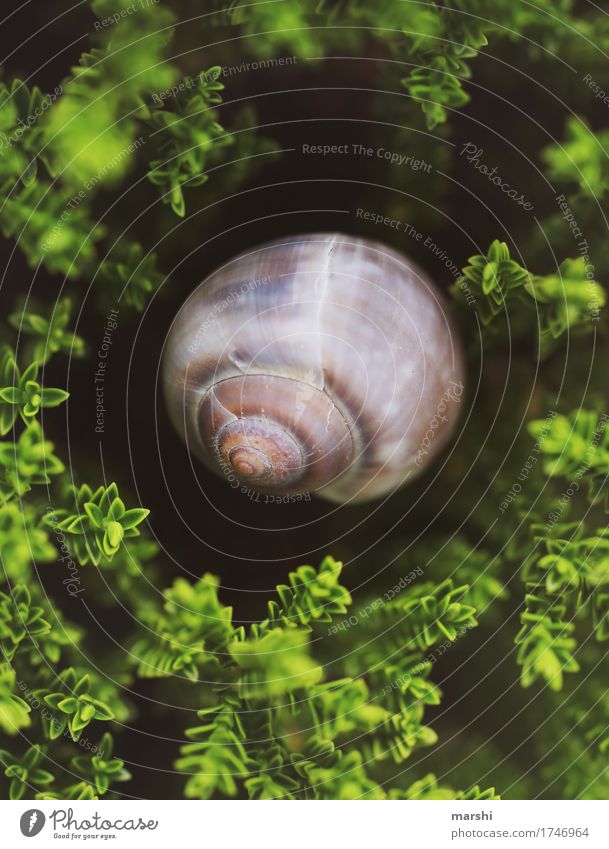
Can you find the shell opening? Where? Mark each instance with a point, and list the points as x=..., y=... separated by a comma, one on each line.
x=260, y=451
x=274, y=433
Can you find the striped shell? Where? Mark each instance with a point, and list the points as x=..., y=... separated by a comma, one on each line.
x=321, y=362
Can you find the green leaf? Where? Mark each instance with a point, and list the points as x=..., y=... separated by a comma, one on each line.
x=131, y=518
x=12, y=395
x=94, y=513
x=114, y=535
x=53, y=397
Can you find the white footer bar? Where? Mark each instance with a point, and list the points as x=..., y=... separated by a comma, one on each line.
x=306, y=825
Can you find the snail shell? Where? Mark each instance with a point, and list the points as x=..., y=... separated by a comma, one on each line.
x=321, y=362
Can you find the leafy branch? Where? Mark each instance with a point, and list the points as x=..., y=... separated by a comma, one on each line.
x=21, y=394
x=559, y=303
x=99, y=523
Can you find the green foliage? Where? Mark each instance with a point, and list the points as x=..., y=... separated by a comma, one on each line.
x=216, y=761
x=437, y=38
x=312, y=596
x=478, y=568
x=327, y=735
x=557, y=303
x=428, y=788
x=566, y=300
x=437, y=89
x=21, y=394
x=74, y=705
x=569, y=572
x=343, y=707
x=248, y=150
x=132, y=277
x=575, y=447
x=58, y=151
x=21, y=542
x=80, y=790
x=437, y=615
x=581, y=158
x=36, y=640
x=475, y=794
x=14, y=711
x=440, y=39
x=92, y=129
x=27, y=461
x=186, y=137
x=101, y=770
x=52, y=226
x=274, y=665
x=492, y=278
x=52, y=334
x=25, y=773
x=545, y=641
x=189, y=635
x=270, y=30
x=575, y=561
x=21, y=136
x=19, y=619
x=99, y=523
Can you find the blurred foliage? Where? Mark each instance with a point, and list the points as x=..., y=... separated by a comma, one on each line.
x=565, y=302
x=322, y=698
x=327, y=735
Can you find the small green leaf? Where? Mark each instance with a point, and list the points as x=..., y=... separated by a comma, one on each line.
x=95, y=514
x=132, y=518
x=53, y=397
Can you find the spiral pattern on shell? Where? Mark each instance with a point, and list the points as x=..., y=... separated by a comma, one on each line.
x=320, y=362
